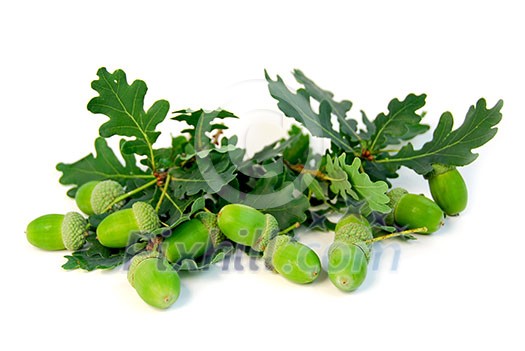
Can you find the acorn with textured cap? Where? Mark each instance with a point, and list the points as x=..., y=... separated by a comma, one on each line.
x=448, y=189
x=414, y=211
x=97, y=197
x=247, y=226
x=350, y=252
x=115, y=230
x=193, y=238
x=291, y=259
x=58, y=232
x=156, y=282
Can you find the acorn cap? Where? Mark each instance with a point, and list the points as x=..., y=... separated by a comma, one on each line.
x=273, y=245
x=395, y=195
x=354, y=232
x=103, y=195
x=136, y=260
x=74, y=231
x=271, y=229
x=146, y=216
x=209, y=220
x=437, y=169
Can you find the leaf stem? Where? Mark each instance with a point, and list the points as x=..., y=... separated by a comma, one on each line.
x=290, y=228
x=395, y=235
x=300, y=169
x=131, y=193
x=170, y=199
x=163, y=194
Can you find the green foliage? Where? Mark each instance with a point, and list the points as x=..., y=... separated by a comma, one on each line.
x=202, y=169
x=401, y=124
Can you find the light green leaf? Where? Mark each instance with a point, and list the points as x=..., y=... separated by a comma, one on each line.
x=351, y=180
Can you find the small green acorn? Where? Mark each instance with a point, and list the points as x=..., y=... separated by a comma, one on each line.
x=96, y=197
x=193, y=238
x=448, y=189
x=347, y=265
x=58, y=232
x=247, y=226
x=414, y=211
x=156, y=282
x=115, y=230
x=291, y=259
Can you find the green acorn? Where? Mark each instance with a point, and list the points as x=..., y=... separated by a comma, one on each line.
x=293, y=260
x=58, y=232
x=347, y=264
x=414, y=211
x=193, y=238
x=247, y=226
x=135, y=262
x=115, y=230
x=448, y=189
x=348, y=256
x=96, y=197
x=156, y=282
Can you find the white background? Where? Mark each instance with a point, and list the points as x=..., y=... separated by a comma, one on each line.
x=459, y=288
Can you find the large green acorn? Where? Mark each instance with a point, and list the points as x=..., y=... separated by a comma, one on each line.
x=293, y=260
x=193, y=238
x=448, y=189
x=347, y=264
x=156, y=282
x=115, y=230
x=58, y=231
x=97, y=197
x=349, y=254
x=247, y=226
x=414, y=211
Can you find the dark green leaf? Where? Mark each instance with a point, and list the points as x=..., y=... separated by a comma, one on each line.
x=200, y=123
x=299, y=151
x=105, y=165
x=298, y=107
x=94, y=256
x=183, y=210
x=207, y=175
x=209, y=259
x=401, y=123
x=451, y=147
x=272, y=195
x=347, y=126
x=124, y=105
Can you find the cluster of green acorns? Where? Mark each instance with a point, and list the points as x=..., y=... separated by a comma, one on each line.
x=157, y=282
